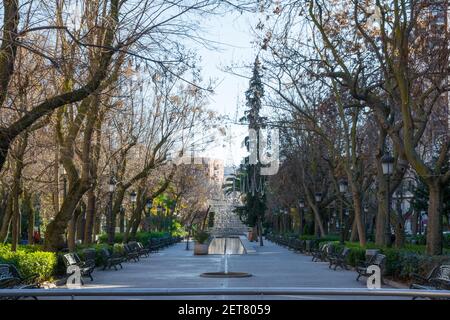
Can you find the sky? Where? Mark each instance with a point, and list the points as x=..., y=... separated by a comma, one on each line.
x=234, y=37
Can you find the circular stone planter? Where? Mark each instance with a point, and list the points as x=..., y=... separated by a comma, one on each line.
x=225, y=275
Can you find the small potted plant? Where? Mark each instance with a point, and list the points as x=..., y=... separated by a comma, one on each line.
x=201, y=242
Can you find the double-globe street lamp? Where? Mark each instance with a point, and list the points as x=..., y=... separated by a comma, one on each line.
x=387, y=163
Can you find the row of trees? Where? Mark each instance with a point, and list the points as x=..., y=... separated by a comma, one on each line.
x=94, y=97
x=352, y=81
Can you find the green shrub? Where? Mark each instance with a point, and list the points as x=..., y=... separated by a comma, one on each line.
x=400, y=263
x=143, y=237
x=201, y=237
x=99, y=258
x=328, y=238
x=29, y=261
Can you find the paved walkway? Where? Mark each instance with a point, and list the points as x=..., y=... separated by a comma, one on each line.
x=271, y=266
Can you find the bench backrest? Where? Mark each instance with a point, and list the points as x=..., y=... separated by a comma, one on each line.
x=345, y=252
x=89, y=254
x=329, y=249
x=443, y=272
x=379, y=260
x=106, y=253
x=6, y=272
x=69, y=259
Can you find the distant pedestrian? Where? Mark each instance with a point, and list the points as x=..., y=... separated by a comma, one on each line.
x=37, y=237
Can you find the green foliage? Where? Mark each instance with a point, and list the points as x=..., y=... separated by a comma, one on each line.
x=400, y=263
x=143, y=237
x=308, y=229
x=201, y=236
x=329, y=238
x=99, y=259
x=178, y=229
x=29, y=260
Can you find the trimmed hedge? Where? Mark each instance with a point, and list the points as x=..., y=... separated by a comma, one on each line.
x=143, y=237
x=400, y=263
x=29, y=260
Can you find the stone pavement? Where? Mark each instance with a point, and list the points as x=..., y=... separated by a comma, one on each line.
x=271, y=266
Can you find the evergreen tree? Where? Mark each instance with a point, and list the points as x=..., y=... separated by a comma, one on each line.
x=250, y=174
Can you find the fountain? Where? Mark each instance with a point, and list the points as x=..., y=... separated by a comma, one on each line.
x=226, y=233
x=226, y=273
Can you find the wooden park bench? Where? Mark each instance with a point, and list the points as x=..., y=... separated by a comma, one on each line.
x=86, y=267
x=130, y=253
x=338, y=259
x=11, y=278
x=138, y=247
x=310, y=246
x=298, y=245
x=375, y=260
x=155, y=244
x=89, y=256
x=437, y=279
x=321, y=253
x=111, y=260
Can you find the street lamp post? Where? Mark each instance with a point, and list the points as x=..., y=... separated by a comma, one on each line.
x=387, y=163
x=301, y=205
x=343, y=187
x=172, y=210
x=133, y=198
x=111, y=188
x=160, y=218
x=318, y=198
x=149, y=206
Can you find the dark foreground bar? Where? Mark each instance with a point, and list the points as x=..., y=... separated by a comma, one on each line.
x=176, y=292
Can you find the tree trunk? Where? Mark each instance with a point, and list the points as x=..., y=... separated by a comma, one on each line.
x=300, y=224
x=56, y=229
x=7, y=218
x=260, y=229
x=122, y=221
x=399, y=225
x=360, y=227
x=118, y=200
x=434, y=227
x=414, y=222
x=381, y=222
x=90, y=217
x=72, y=229
x=354, y=234
x=30, y=217
x=81, y=222
x=15, y=223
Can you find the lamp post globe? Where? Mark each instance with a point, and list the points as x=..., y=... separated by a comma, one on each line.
x=343, y=186
x=318, y=196
x=301, y=203
x=133, y=197
x=387, y=162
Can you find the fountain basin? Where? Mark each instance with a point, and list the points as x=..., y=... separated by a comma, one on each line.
x=226, y=275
